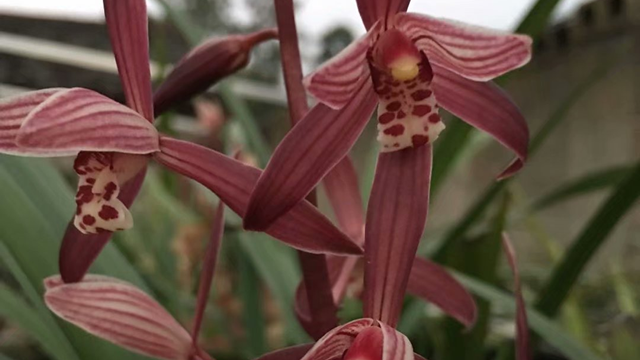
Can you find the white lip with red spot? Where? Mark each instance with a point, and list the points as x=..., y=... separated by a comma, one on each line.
x=408, y=110
x=101, y=175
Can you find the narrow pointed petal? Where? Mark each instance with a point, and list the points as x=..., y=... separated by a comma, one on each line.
x=13, y=113
x=308, y=152
x=395, y=346
x=78, y=251
x=208, y=268
x=341, y=187
x=396, y=217
x=523, y=347
x=335, y=342
x=205, y=65
x=304, y=228
x=473, y=52
x=374, y=10
x=434, y=284
x=83, y=120
x=335, y=82
x=128, y=30
x=487, y=107
x=122, y=314
x=291, y=353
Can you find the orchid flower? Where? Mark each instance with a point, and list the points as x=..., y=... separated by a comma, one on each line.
x=114, y=143
x=409, y=66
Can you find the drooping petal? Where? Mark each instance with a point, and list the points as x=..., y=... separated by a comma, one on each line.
x=83, y=120
x=435, y=285
x=13, y=113
x=290, y=353
x=208, y=268
x=120, y=313
x=128, y=30
x=487, y=107
x=308, y=152
x=341, y=187
x=303, y=228
x=336, y=81
x=335, y=342
x=474, y=52
x=78, y=251
x=205, y=65
x=523, y=348
x=396, y=217
x=395, y=346
x=374, y=10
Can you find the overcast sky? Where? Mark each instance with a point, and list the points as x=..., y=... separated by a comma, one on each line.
x=316, y=16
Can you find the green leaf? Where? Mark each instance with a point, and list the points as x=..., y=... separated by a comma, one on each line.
x=277, y=266
x=537, y=18
x=542, y=325
x=583, y=185
x=15, y=309
x=588, y=242
x=252, y=307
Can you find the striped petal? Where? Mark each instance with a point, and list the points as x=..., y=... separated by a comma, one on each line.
x=341, y=187
x=396, y=217
x=128, y=30
x=83, y=120
x=473, y=52
x=523, y=347
x=309, y=151
x=290, y=353
x=395, y=345
x=338, y=340
x=120, y=313
x=336, y=81
x=205, y=65
x=488, y=108
x=13, y=113
x=304, y=228
x=373, y=10
x=78, y=251
x=434, y=284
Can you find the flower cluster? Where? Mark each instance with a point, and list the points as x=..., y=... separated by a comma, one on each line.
x=409, y=66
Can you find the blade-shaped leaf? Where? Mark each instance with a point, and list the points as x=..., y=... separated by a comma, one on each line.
x=523, y=349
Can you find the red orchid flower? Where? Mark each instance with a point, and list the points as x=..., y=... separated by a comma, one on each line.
x=114, y=143
x=409, y=65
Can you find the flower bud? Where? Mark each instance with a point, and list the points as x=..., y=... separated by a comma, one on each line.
x=205, y=65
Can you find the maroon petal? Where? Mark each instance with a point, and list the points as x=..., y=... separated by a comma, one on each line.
x=473, y=52
x=304, y=228
x=396, y=217
x=13, y=113
x=128, y=29
x=434, y=284
x=341, y=187
x=338, y=340
x=308, y=152
x=523, y=348
x=205, y=65
x=83, y=120
x=120, y=313
x=78, y=251
x=487, y=107
x=208, y=268
x=374, y=10
x=395, y=345
x=291, y=353
x=335, y=82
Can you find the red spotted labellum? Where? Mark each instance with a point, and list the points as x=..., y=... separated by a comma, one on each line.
x=113, y=144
